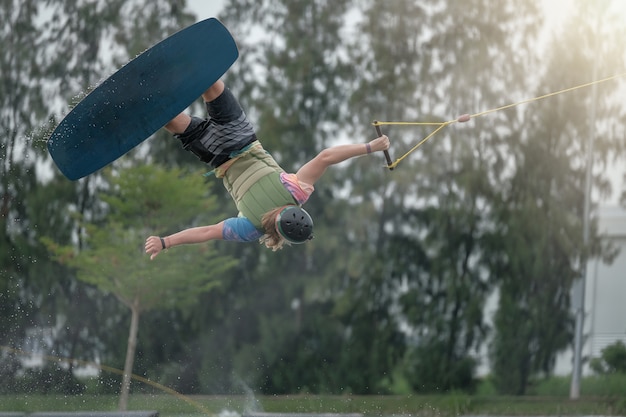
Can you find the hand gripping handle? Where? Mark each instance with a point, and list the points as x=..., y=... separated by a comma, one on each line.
x=379, y=132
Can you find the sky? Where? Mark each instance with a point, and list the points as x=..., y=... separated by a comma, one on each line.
x=555, y=9
x=205, y=8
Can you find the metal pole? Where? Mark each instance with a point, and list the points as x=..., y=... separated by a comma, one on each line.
x=579, y=293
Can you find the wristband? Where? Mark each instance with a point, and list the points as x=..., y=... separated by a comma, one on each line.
x=162, y=242
x=368, y=148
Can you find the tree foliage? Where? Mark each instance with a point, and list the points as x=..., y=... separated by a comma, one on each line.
x=403, y=264
x=139, y=200
x=541, y=215
x=612, y=360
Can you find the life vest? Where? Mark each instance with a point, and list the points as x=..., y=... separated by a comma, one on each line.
x=252, y=178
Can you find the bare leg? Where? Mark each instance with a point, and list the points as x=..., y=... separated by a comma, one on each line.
x=179, y=123
x=214, y=91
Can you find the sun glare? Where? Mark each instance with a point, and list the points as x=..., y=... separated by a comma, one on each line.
x=559, y=10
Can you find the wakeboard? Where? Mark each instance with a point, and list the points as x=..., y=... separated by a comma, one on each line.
x=141, y=97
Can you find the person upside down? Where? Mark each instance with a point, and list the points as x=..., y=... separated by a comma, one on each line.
x=269, y=200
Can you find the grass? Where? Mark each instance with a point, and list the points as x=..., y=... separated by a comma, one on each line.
x=414, y=405
x=601, y=396
x=593, y=386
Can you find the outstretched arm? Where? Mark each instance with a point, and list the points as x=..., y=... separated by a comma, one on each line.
x=188, y=236
x=315, y=168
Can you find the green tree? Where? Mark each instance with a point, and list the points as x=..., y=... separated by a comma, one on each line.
x=431, y=64
x=143, y=200
x=29, y=199
x=540, y=249
x=612, y=360
x=18, y=70
x=52, y=53
x=299, y=107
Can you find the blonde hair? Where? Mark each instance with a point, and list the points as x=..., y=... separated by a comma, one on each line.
x=272, y=239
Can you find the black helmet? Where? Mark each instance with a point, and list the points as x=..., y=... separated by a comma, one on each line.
x=294, y=224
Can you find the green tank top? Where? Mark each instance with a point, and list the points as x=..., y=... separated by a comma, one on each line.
x=253, y=181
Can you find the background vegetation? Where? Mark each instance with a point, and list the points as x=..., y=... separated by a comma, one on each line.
x=390, y=296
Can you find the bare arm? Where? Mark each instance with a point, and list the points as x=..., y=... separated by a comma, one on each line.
x=315, y=168
x=188, y=236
